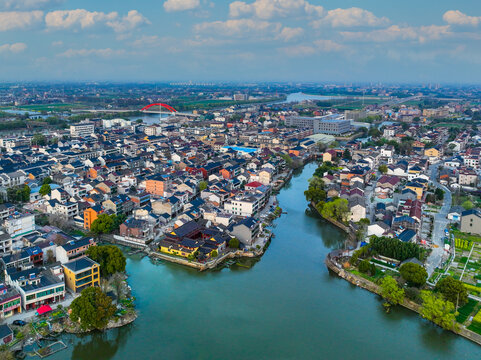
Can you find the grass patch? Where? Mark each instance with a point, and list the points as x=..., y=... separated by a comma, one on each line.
x=466, y=310
x=475, y=327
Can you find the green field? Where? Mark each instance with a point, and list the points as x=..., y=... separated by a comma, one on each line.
x=45, y=107
x=466, y=310
x=449, y=125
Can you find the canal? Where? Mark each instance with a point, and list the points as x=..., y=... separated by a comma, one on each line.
x=287, y=306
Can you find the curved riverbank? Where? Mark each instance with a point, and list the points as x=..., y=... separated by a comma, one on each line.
x=286, y=306
x=374, y=288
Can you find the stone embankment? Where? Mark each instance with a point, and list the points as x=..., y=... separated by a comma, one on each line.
x=374, y=288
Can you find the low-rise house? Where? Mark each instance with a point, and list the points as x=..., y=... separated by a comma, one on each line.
x=73, y=249
x=471, y=221
x=137, y=231
x=81, y=273
x=6, y=334
x=245, y=230
x=10, y=301
x=36, y=286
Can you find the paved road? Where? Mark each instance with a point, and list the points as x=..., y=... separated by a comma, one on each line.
x=440, y=223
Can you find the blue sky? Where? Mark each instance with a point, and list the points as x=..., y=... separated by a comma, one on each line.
x=250, y=40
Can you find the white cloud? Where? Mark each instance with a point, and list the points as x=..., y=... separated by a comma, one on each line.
x=132, y=20
x=397, y=33
x=28, y=4
x=238, y=27
x=350, y=18
x=57, y=43
x=267, y=9
x=81, y=18
x=288, y=33
x=328, y=45
x=11, y=20
x=66, y=19
x=181, y=5
x=456, y=17
x=12, y=48
x=318, y=46
x=107, y=52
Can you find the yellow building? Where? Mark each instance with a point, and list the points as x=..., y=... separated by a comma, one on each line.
x=81, y=273
x=417, y=188
x=432, y=152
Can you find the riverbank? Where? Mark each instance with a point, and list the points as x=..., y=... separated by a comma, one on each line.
x=374, y=288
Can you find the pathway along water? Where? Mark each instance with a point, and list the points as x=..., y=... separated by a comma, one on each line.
x=287, y=306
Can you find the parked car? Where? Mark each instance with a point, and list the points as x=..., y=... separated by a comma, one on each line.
x=19, y=323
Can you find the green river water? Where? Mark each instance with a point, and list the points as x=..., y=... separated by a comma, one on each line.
x=287, y=306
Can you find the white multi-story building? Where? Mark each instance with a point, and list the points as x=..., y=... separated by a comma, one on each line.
x=82, y=129
x=19, y=224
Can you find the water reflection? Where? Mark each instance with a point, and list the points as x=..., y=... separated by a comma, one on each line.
x=100, y=345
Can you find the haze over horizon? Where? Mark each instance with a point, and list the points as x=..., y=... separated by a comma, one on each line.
x=250, y=40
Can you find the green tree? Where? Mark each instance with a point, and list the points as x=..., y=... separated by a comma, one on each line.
x=439, y=194
x=452, y=290
x=39, y=139
x=337, y=209
x=92, y=308
x=45, y=189
x=234, y=243
x=414, y=274
x=467, y=205
x=364, y=266
x=315, y=195
x=214, y=254
x=202, y=185
x=47, y=180
x=347, y=154
x=437, y=310
x=26, y=193
x=383, y=169
x=390, y=291
x=374, y=132
x=109, y=257
x=104, y=224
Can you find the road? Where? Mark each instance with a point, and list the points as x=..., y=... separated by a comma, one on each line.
x=440, y=223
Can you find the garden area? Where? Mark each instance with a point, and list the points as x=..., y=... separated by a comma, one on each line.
x=466, y=265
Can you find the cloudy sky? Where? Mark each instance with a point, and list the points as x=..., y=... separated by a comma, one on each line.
x=250, y=40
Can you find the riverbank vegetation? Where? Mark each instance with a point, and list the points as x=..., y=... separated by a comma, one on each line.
x=446, y=304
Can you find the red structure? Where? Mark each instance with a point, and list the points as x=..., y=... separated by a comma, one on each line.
x=168, y=107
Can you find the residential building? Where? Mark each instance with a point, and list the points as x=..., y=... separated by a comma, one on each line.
x=81, y=273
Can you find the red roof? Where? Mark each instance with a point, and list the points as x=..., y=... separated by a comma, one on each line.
x=43, y=309
x=254, y=184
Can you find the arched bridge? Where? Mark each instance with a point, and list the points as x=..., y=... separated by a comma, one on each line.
x=148, y=109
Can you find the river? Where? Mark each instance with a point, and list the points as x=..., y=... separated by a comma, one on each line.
x=287, y=306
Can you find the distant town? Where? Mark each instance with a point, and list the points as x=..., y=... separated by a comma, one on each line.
x=189, y=174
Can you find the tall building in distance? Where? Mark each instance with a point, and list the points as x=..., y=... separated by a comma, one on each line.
x=82, y=129
x=330, y=124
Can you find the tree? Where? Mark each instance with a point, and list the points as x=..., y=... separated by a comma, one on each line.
x=390, y=291
x=452, y=290
x=109, y=257
x=396, y=249
x=467, y=205
x=202, y=185
x=50, y=256
x=92, y=308
x=234, y=243
x=437, y=310
x=39, y=139
x=118, y=284
x=45, y=189
x=337, y=210
x=214, y=253
x=26, y=193
x=347, y=154
x=383, y=169
x=104, y=224
x=439, y=194
x=315, y=195
x=374, y=132
x=414, y=274
x=47, y=180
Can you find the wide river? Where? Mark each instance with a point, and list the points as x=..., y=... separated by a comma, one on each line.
x=287, y=306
